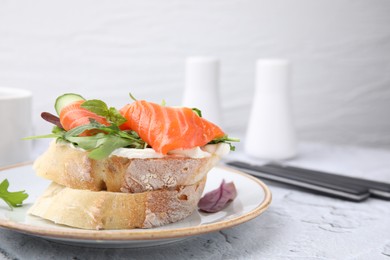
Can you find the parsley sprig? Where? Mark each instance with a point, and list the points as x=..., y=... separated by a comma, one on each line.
x=13, y=199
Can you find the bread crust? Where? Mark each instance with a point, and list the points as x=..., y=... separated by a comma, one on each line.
x=115, y=210
x=72, y=168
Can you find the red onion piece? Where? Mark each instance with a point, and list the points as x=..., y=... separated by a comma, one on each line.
x=51, y=119
x=219, y=198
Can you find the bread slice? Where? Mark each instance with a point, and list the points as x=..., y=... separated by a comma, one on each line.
x=72, y=168
x=114, y=210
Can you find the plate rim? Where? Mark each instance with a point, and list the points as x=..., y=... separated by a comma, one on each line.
x=141, y=234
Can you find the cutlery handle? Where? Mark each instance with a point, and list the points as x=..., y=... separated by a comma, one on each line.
x=378, y=189
x=306, y=180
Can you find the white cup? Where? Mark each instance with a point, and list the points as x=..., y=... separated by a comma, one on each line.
x=15, y=123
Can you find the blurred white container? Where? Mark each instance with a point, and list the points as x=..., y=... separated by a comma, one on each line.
x=271, y=134
x=16, y=123
x=202, y=87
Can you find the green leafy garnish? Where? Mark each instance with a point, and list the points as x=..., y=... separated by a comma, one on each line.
x=100, y=108
x=132, y=97
x=225, y=139
x=101, y=140
x=13, y=199
x=103, y=143
x=110, y=143
x=197, y=111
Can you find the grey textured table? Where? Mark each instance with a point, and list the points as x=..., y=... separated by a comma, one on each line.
x=298, y=224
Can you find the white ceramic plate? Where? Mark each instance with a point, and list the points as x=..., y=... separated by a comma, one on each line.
x=253, y=198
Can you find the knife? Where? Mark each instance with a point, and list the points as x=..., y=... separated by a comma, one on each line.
x=306, y=180
x=376, y=188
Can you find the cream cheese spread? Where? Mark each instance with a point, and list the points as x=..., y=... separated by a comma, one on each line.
x=220, y=149
x=208, y=150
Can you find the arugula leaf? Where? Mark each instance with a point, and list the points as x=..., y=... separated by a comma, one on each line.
x=96, y=106
x=57, y=132
x=41, y=136
x=101, y=145
x=197, y=111
x=115, y=116
x=100, y=108
x=87, y=142
x=78, y=130
x=225, y=139
x=137, y=142
x=111, y=142
x=132, y=97
x=13, y=199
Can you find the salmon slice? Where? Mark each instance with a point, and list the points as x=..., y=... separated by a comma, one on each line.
x=73, y=115
x=168, y=128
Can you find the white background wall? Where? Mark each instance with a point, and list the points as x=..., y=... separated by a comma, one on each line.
x=104, y=49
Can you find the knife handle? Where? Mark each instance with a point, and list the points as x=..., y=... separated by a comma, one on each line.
x=305, y=180
x=378, y=189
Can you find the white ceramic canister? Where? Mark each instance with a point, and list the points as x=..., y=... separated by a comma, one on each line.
x=270, y=133
x=202, y=87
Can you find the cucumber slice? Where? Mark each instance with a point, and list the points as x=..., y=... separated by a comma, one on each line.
x=65, y=100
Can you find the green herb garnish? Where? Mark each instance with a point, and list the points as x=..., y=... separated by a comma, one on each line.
x=100, y=108
x=225, y=139
x=132, y=97
x=103, y=143
x=197, y=111
x=102, y=140
x=13, y=199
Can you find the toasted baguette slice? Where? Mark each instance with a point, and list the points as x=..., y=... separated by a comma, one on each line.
x=114, y=210
x=72, y=168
